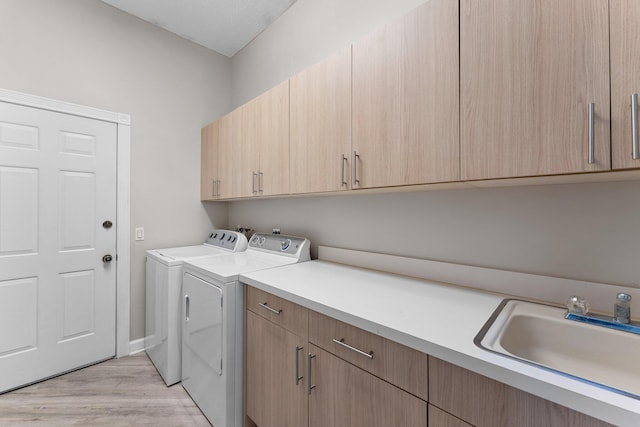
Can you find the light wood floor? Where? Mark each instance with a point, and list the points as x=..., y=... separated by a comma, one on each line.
x=119, y=392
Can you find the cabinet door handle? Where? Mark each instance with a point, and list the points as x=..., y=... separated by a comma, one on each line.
x=634, y=127
x=186, y=307
x=213, y=189
x=260, y=175
x=218, y=189
x=345, y=345
x=592, y=134
x=343, y=160
x=309, y=385
x=253, y=182
x=354, y=166
x=264, y=305
x=298, y=377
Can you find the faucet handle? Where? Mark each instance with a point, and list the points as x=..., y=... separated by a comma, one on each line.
x=578, y=305
x=623, y=297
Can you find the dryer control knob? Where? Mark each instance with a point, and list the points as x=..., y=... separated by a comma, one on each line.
x=284, y=245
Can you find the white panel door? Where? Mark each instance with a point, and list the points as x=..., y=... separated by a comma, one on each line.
x=57, y=296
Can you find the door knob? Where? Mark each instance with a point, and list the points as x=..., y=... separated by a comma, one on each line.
x=107, y=259
x=107, y=224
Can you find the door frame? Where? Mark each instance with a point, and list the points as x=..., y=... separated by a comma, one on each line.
x=123, y=198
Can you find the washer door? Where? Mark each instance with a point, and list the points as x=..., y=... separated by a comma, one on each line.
x=202, y=328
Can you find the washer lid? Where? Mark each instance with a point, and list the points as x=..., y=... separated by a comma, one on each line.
x=219, y=242
x=175, y=256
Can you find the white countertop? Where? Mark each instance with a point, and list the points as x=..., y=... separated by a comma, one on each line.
x=435, y=318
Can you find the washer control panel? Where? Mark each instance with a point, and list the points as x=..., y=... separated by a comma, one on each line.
x=281, y=244
x=233, y=241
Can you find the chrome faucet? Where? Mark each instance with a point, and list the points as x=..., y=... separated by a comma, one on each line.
x=578, y=310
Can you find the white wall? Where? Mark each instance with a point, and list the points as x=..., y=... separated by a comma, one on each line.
x=309, y=31
x=580, y=231
x=86, y=52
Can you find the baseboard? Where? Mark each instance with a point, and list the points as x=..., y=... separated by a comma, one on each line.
x=136, y=346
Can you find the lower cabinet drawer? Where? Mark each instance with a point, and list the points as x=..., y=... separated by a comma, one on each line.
x=400, y=365
x=286, y=314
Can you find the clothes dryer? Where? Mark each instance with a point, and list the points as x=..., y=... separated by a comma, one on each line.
x=213, y=326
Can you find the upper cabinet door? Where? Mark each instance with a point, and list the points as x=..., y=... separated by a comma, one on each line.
x=209, y=162
x=321, y=126
x=245, y=154
x=229, y=162
x=405, y=100
x=625, y=81
x=529, y=70
x=272, y=140
x=225, y=170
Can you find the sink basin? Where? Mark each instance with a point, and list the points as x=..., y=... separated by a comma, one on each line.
x=539, y=334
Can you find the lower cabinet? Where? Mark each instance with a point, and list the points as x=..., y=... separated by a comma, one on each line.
x=481, y=401
x=439, y=418
x=306, y=369
x=273, y=396
x=344, y=395
x=291, y=382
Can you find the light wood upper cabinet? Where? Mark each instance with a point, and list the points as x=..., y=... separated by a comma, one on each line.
x=272, y=139
x=453, y=91
x=529, y=70
x=405, y=99
x=321, y=126
x=228, y=157
x=218, y=177
x=244, y=150
x=209, y=162
x=253, y=147
x=625, y=79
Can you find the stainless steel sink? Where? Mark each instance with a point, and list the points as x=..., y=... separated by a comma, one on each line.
x=539, y=334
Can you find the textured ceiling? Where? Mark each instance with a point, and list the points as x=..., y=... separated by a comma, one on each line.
x=225, y=26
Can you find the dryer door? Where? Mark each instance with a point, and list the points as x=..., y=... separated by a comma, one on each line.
x=202, y=329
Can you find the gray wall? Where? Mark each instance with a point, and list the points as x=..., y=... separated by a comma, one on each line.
x=86, y=52
x=580, y=231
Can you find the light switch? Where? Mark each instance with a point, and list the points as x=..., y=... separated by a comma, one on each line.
x=139, y=233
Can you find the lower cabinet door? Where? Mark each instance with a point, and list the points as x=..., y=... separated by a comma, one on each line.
x=484, y=402
x=344, y=395
x=439, y=418
x=273, y=398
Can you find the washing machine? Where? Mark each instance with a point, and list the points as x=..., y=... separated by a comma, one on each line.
x=212, y=334
x=163, y=320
